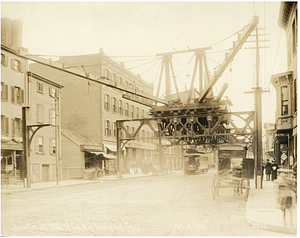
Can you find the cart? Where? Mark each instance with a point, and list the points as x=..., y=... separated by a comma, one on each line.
x=234, y=170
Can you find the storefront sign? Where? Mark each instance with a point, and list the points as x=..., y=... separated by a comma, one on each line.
x=5, y=146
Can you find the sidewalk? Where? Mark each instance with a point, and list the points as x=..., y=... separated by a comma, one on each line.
x=18, y=187
x=263, y=211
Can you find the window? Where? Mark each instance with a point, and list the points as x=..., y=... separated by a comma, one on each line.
x=3, y=60
x=132, y=130
x=114, y=105
x=52, y=146
x=40, y=113
x=40, y=145
x=115, y=129
x=52, y=117
x=39, y=87
x=148, y=135
x=127, y=129
x=137, y=113
x=4, y=125
x=127, y=109
x=52, y=92
x=17, y=95
x=106, y=102
x=126, y=84
x=143, y=135
x=284, y=100
x=132, y=111
x=120, y=107
x=16, y=124
x=143, y=113
x=121, y=80
x=107, y=128
x=4, y=92
x=113, y=77
x=295, y=37
x=16, y=65
x=106, y=74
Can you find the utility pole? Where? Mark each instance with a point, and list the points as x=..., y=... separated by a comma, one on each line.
x=258, y=119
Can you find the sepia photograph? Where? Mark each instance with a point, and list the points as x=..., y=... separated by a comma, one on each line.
x=149, y=118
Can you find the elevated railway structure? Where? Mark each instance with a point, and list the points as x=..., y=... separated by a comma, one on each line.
x=194, y=117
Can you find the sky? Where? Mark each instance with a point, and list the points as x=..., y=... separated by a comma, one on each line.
x=134, y=32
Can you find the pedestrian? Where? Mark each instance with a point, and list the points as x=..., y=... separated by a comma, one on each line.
x=263, y=165
x=274, y=170
x=268, y=170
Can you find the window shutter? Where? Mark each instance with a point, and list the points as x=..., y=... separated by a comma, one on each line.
x=21, y=95
x=5, y=91
x=37, y=144
x=13, y=126
x=6, y=60
x=6, y=126
x=13, y=63
x=12, y=94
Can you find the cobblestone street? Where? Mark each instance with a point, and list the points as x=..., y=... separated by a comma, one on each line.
x=174, y=204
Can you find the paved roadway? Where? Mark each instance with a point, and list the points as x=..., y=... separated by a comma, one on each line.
x=173, y=204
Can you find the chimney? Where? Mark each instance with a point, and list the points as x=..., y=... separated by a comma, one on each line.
x=17, y=32
x=6, y=31
x=122, y=64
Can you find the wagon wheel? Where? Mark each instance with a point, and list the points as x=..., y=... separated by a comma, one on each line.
x=215, y=188
x=247, y=189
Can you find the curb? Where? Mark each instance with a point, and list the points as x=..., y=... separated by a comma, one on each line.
x=271, y=227
x=22, y=190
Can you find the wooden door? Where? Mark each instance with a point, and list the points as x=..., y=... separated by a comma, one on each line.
x=45, y=173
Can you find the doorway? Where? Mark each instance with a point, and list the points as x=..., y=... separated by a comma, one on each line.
x=46, y=173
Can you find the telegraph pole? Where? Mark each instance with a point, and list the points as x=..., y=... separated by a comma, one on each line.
x=258, y=119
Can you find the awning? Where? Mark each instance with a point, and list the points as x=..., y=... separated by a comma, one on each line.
x=112, y=147
x=104, y=155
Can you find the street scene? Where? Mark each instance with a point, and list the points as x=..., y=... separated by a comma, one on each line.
x=149, y=118
x=167, y=205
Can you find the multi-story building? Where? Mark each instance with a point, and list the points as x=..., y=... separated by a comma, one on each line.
x=91, y=108
x=13, y=78
x=285, y=83
x=44, y=100
x=20, y=88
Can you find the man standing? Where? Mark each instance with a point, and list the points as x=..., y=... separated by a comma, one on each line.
x=268, y=170
x=274, y=170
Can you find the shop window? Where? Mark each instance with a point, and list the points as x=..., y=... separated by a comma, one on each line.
x=127, y=109
x=4, y=125
x=120, y=107
x=40, y=145
x=39, y=87
x=114, y=105
x=4, y=92
x=52, y=146
x=40, y=113
x=16, y=65
x=284, y=101
x=106, y=102
x=107, y=128
x=52, y=117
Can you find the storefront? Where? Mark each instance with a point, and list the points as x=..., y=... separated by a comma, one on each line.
x=11, y=154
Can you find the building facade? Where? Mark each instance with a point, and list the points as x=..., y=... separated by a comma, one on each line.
x=13, y=80
x=91, y=108
x=44, y=100
x=285, y=84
